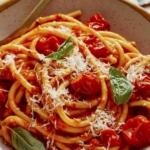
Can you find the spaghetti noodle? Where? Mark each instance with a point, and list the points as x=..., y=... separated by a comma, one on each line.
x=75, y=86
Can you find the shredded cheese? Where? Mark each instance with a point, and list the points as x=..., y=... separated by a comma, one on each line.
x=9, y=59
x=103, y=120
x=103, y=67
x=77, y=62
x=65, y=29
x=134, y=72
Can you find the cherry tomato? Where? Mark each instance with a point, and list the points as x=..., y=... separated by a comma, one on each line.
x=110, y=137
x=3, y=94
x=5, y=74
x=97, y=48
x=136, y=131
x=94, y=142
x=2, y=109
x=141, y=88
x=47, y=45
x=98, y=23
x=87, y=84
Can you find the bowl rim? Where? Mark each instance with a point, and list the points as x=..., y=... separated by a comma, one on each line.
x=138, y=8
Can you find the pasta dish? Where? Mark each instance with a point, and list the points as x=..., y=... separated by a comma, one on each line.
x=69, y=85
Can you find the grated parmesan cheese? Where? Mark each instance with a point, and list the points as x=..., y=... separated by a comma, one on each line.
x=65, y=29
x=4, y=90
x=77, y=62
x=103, y=67
x=62, y=29
x=134, y=72
x=103, y=120
x=9, y=59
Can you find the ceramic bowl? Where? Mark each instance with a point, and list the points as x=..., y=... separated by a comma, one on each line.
x=130, y=21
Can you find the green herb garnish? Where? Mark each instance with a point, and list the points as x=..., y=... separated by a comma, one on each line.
x=23, y=140
x=122, y=89
x=64, y=50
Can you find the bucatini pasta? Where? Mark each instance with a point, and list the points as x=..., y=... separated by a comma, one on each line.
x=70, y=85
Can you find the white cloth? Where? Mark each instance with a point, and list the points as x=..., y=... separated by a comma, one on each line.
x=140, y=2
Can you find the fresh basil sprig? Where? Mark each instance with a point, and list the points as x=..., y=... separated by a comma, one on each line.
x=122, y=89
x=64, y=50
x=23, y=140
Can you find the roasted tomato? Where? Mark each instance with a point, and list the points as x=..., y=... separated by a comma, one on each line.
x=5, y=74
x=96, y=47
x=2, y=96
x=98, y=23
x=136, y=131
x=3, y=93
x=141, y=88
x=47, y=45
x=110, y=137
x=86, y=84
x=94, y=142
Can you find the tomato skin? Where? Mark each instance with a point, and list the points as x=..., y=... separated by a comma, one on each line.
x=98, y=23
x=96, y=47
x=110, y=137
x=5, y=74
x=136, y=131
x=94, y=142
x=141, y=88
x=3, y=94
x=47, y=45
x=86, y=84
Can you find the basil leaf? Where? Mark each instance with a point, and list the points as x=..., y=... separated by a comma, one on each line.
x=64, y=50
x=23, y=140
x=122, y=89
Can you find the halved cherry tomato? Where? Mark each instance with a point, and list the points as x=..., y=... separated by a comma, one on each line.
x=97, y=48
x=87, y=83
x=136, y=131
x=47, y=45
x=98, y=23
x=110, y=137
x=141, y=88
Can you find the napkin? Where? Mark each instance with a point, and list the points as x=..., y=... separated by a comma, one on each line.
x=140, y=2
